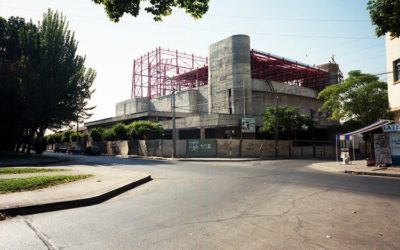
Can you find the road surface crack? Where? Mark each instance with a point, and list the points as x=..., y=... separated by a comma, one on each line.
x=40, y=235
x=293, y=202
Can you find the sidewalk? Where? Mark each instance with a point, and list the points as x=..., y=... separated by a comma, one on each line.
x=105, y=184
x=356, y=167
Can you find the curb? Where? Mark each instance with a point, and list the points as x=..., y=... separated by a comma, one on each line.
x=216, y=160
x=55, y=206
x=372, y=174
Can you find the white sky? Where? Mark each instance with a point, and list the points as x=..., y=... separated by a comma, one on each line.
x=309, y=31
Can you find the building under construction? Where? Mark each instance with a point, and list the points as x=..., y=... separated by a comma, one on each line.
x=224, y=93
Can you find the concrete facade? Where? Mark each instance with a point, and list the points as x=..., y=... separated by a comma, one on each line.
x=393, y=58
x=230, y=95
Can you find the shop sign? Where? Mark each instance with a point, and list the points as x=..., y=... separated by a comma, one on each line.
x=391, y=128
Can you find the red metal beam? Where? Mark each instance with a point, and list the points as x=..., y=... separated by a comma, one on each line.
x=272, y=67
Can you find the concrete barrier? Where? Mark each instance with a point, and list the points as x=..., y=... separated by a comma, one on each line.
x=228, y=148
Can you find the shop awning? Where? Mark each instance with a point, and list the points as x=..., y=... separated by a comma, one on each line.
x=370, y=127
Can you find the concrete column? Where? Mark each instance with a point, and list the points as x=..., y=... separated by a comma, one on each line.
x=202, y=133
x=229, y=72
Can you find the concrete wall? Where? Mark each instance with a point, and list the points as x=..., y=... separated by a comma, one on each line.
x=114, y=147
x=283, y=88
x=392, y=54
x=202, y=99
x=131, y=106
x=224, y=148
x=185, y=101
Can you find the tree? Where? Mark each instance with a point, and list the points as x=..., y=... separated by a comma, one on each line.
x=361, y=98
x=385, y=15
x=287, y=118
x=11, y=98
x=158, y=8
x=43, y=82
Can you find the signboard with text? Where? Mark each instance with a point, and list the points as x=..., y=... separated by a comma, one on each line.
x=383, y=155
x=201, y=148
x=395, y=147
x=391, y=128
x=248, y=125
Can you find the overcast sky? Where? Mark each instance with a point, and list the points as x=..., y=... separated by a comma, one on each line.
x=310, y=31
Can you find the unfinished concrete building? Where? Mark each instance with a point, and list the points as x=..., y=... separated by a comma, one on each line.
x=215, y=95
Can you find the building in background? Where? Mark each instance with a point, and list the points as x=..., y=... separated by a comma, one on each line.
x=393, y=65
x=226, y=93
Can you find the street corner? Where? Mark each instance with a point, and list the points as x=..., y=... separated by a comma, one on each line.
x=103, y=184
x=333, y=167
x=358, y=167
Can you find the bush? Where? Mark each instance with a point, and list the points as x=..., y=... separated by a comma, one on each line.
x=85, y=136
x=120, y=131
x=109, y=135
x=97, y=134
x=145, y=130
x=50, y=139
x=74, y=136
x=57, y=137
x=66, y=136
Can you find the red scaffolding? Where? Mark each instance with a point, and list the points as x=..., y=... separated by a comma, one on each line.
x=272, y=67
x=159, y=71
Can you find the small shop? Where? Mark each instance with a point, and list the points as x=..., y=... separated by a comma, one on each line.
x=386, y=145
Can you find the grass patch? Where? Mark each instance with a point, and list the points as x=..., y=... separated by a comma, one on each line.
x=9, y=170
x=37, y=182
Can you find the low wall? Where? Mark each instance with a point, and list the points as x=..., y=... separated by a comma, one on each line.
x=222, y=148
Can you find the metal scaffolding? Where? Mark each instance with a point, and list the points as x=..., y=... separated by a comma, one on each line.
x=160, y=71
x=275, y=68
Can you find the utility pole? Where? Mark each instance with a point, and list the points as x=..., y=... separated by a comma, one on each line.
x=312, y=112
x=276, y=134
x=77, y=131
x=276, y=126
x=173, y=125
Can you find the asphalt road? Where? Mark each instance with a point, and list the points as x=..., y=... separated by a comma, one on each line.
x=218, y=205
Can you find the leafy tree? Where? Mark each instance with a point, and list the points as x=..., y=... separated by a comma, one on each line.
x=121, y=131
x=288, y=119
x=158, y=8
x=39, y=145
x=385, y=15
x=11, y=98
x=43, y=82
x=361, y=98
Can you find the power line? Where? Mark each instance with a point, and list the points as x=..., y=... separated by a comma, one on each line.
x=223, y=30
x=287, y=19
